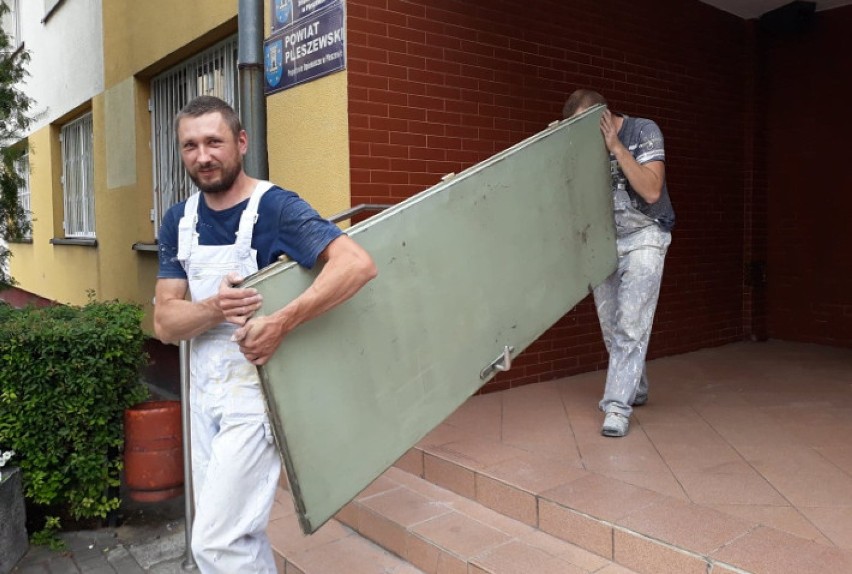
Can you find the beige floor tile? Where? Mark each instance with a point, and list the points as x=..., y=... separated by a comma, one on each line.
x=824, y=487
x=577, y=528
x=645, y=555
x=624, y=456
x=411, y=462
x=784, y=459
x=460, y=535
x=770, y=551
x=508, y=500
x=442, y=434
x=835, y=523
x=742, y=427
x=574, y=554
x=378, y=486
x=282, y=508
x=480, y=415
x=422, y=487
x=615, y=569
x=840, y=456
x=508, y=526
x=665, y=415
x=739, y=488
x=449, y=474
x=474, y=453
x=697, y=432
x=716, y=459
x=405, y=507
x=519, y=558
x=686, y=525
x=286, y=537
x=786, y=518
x=663, y=482
x=351, y=555
x=535, y=473
x=602, y=497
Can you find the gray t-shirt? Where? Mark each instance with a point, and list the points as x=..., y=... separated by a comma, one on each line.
x=644, y=140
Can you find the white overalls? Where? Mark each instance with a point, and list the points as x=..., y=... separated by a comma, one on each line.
x=626, y=302
x=235, y=465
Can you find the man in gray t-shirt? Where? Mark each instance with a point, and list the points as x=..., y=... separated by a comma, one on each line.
x=644, y=217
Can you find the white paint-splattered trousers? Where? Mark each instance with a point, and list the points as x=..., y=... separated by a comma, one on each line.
x=235, y=464
x=626, y=302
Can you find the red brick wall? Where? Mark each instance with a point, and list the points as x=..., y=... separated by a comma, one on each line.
x=806, y=84
x=436, y=86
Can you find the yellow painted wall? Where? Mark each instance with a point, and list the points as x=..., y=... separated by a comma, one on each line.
x=155, y=34
x=307, y=142
x=59, y=272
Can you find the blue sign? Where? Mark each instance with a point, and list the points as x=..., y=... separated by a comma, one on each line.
x=282, y=11
x=286, y=12
x=273, y=61
x=305, y=50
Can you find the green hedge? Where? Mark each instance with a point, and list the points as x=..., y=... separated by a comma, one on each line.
x=66, y=376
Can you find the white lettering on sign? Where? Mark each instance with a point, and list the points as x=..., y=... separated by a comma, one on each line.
x=307, y=44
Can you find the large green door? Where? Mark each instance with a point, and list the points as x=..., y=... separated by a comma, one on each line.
x=488, y=259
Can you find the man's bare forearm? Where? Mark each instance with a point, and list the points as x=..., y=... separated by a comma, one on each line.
x=179, y=319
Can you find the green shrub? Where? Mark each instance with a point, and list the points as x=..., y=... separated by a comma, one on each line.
x=66, y=375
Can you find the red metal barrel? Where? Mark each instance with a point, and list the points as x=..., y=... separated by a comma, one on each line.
x=153, y=451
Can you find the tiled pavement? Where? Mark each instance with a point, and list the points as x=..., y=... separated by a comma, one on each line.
x=151, y=539
x=740, y=462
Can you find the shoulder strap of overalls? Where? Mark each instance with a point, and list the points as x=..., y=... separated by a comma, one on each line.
x=249, y=218
x=187, y=228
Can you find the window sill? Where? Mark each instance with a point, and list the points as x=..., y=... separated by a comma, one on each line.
x=146, y=247
x=82, y=241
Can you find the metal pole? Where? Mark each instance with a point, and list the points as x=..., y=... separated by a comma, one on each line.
x=252, y=98
x=188, y=493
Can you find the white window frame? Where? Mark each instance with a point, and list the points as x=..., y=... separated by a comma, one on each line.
x=212, y=72
x=78, y=181
x=22, y=167
x=12, y=24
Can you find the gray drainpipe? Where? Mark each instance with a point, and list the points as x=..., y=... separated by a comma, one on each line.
x=252, y=98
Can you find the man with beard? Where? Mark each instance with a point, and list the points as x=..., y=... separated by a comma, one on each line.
x=209, y=244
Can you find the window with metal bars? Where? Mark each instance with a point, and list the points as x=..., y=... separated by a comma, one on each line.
x=78, y=181
x=22, y=166
x=212, y=72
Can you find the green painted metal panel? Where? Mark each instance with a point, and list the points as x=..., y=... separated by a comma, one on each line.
x=489, y=258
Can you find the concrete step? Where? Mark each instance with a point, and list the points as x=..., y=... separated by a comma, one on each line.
x=441, y=532
x=333, y=549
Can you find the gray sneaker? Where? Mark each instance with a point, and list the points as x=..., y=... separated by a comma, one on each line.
x=640, y=400
x=615, y=425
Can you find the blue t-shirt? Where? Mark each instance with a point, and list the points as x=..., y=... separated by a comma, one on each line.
x=286, y=225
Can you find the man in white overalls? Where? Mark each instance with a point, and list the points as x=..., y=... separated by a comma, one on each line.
x=208, y=244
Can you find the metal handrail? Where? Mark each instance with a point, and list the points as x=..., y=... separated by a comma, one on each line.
x=188, y=492
x=358, y=209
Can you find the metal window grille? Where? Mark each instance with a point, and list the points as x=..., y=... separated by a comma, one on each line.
x=214, y=73
x=22, y=167
x=78, y=178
